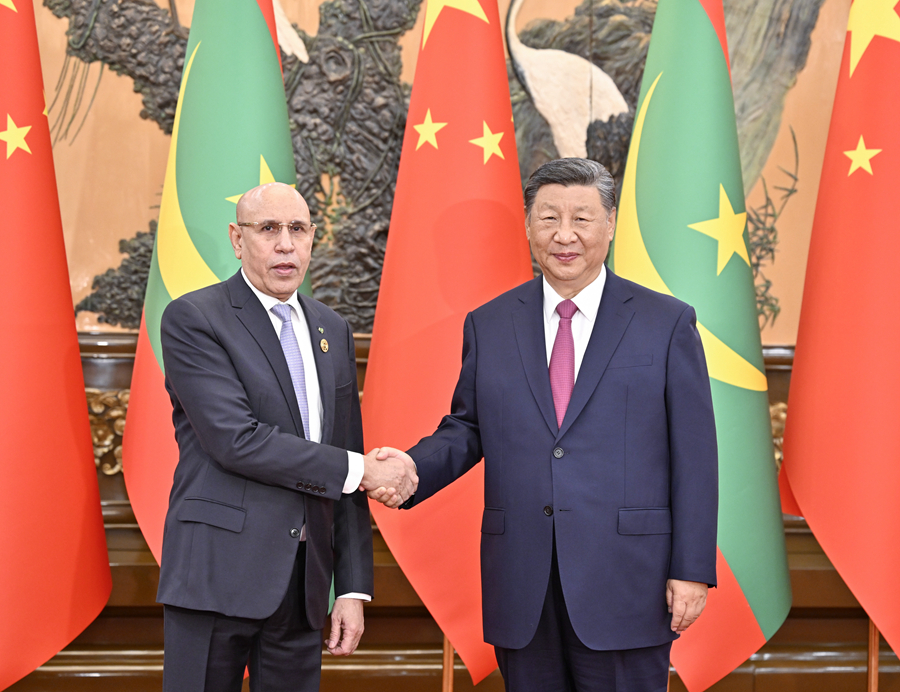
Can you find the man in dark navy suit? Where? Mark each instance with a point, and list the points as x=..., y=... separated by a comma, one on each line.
x=266, y=502
x=588, y=397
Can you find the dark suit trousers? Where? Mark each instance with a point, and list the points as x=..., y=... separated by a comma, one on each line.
x=556, y=661
x=207, y=652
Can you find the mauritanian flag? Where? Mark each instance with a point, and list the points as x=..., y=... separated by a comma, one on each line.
x=842, y=441
x=230, y=134
x=457, y=240
x=54, y=568
x=682, y=231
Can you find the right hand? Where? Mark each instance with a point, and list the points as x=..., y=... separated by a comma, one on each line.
x=389, y=476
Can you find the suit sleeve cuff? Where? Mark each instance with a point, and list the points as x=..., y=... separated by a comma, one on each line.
x=359, y=596
x=355, y=469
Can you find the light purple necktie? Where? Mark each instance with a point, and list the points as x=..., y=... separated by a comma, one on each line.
x=294, y=361
x=562, y=361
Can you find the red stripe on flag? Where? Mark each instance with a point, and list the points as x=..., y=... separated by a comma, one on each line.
x=268, y=13
x=716, y=14
x=149, y=451
x=704, y=655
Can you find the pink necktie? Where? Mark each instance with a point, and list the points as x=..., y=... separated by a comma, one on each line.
x=562, y=361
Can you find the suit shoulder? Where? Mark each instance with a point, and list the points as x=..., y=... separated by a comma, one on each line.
x=203, y=299
x=649, y=298
x=508, y=300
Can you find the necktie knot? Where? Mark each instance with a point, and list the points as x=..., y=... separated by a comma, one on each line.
x=566, y=309
x=282, y=311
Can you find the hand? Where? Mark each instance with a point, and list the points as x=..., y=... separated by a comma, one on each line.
x=389, y=476
x=686, y=600
x=346, y=626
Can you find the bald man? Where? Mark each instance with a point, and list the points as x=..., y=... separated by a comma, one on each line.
x=267, y=500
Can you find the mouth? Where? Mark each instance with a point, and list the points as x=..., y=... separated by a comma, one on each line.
x=284, y=268
x=566, y=257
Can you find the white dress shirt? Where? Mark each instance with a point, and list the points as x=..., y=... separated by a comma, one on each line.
x=356, y=465
x=587, y=302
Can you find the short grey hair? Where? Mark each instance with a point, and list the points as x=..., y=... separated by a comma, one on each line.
x=570, y=172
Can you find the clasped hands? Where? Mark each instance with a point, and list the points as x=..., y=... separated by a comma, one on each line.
x=389, y=477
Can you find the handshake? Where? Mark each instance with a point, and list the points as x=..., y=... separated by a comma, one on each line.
x=389, y=476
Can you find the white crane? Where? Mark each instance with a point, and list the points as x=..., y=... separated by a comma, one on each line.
x=569, y=91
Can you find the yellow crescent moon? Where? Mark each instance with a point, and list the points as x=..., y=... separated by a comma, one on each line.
x=633, y=262
x=180, y=264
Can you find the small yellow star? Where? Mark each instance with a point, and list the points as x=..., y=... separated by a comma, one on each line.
x=490, y=142
x=427, y=131
x=433, y=9
x=14, y=137
x=265, y=176
x=868, y=19
x=861, y=157
x=9, y=4
x=728, y=229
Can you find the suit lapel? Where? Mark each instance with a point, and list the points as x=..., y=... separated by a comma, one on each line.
x=528, y=321
x=324, y=364
x=609, y=327
x=252, y=315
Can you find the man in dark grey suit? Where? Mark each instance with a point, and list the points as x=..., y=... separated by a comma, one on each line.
x=267, y=498
x=589, y=399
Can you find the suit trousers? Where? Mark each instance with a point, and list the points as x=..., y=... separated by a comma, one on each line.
x=208, y=652
x=555, y=660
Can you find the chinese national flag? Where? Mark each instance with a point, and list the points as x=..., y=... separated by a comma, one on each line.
x=842, y=442
x=457, y=239
x=54, y=569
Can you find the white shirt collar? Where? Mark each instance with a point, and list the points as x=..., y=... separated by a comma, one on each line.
x=587, y=301
x=268, y=302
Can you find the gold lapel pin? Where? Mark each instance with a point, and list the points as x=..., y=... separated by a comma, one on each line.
x=321, y=330
x=323, y=344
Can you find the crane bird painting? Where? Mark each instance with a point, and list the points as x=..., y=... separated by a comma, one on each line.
x=569, y=91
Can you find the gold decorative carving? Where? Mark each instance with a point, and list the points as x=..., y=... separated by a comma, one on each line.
x=778, y=414
x=106, y=411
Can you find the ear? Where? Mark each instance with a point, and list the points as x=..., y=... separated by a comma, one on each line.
x=235, y=234
x=611, y=223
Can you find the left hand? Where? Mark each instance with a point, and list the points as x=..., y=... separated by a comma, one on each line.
x=346, y=626
x=686, y=600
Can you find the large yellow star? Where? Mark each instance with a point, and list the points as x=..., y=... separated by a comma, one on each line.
x=433, y=10
x=490, y=142
x=728, y=229
x=861, y=157
x=868, y=19
x=9, y=4
x=265, y=176
x=427, y=131
x=14, y=137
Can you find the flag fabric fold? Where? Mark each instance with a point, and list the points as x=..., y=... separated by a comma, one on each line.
x=841, y=466
x=682, y=231
x=54, y=569
x=457, y=239
x=230, y=134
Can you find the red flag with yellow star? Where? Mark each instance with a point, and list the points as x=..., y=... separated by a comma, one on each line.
x=457, y=239
x=54, y=569
x=842, y=441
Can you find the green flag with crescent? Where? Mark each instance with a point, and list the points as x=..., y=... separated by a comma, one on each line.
x=682, y=231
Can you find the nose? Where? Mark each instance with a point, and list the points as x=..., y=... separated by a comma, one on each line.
x=565, y=232
x=284, y=243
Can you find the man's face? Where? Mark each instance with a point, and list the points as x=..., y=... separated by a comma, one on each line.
x=274, y=258
x=570, y=232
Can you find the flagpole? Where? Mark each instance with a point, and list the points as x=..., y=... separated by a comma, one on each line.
x=874, y=641
x=447, y=667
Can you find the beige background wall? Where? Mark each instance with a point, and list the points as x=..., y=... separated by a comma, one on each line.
x=110, y=177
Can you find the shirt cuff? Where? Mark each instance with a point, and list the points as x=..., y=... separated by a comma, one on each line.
x=356, y=466
x=359, y=596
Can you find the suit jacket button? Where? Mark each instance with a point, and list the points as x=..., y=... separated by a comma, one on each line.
x=322, y=490
x=315, y=488
x=308, y=486
x=558, y=452
x=295, y=533
x=548, y=510
x=299, y=486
